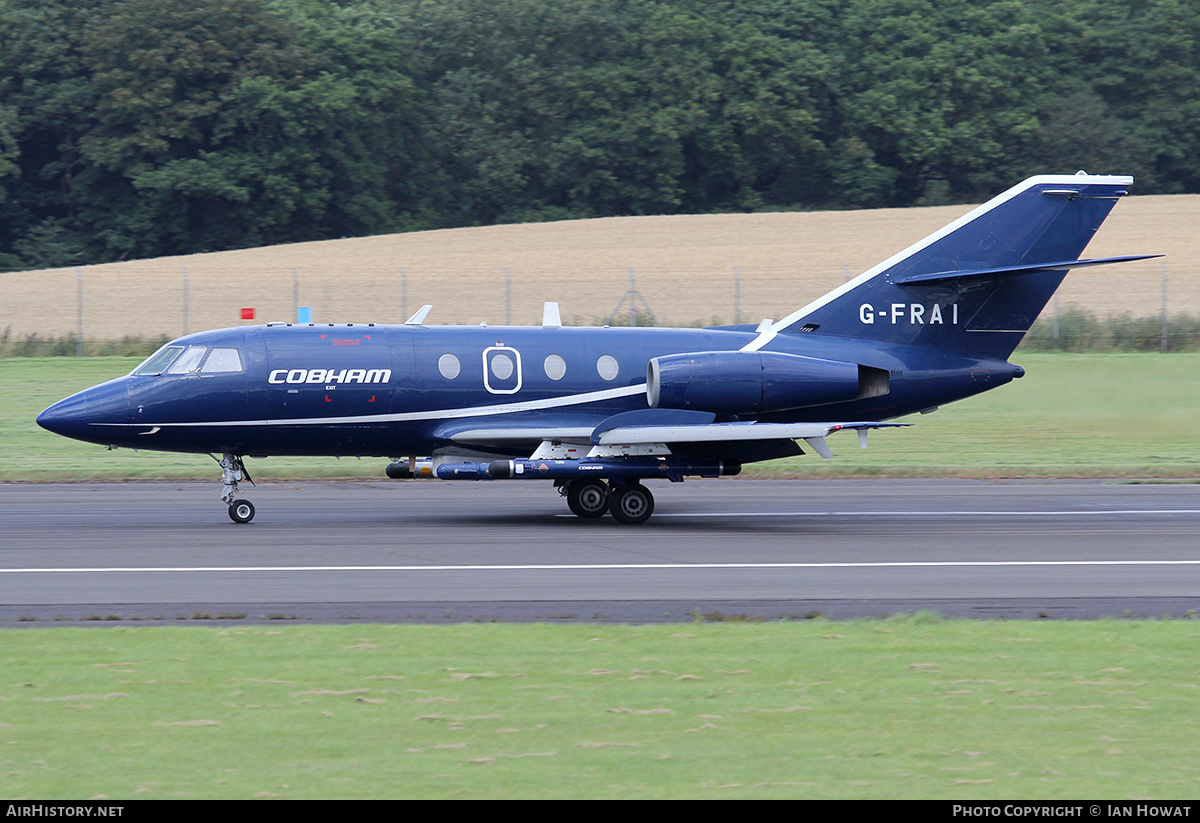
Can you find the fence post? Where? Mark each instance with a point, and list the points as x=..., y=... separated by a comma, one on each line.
x=507, y=298
x=78, y=312
x=1056, y=319
x=737, y=296
x=632, y=302
x=1163, y=266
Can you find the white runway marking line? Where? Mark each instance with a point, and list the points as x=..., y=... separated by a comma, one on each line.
x=932, y=513
x=601, y=566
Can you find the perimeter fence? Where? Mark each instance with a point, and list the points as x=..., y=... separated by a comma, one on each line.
x=124, y=308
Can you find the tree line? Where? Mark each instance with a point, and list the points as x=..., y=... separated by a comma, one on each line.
x=149, y=127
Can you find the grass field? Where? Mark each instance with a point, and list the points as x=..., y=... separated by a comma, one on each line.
x=1127, y=415
x=912, y=707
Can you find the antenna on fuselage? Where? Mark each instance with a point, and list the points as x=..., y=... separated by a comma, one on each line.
x=419, y=317
x=551, y=319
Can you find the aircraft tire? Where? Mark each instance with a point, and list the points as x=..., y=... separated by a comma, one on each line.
x=632, y=504
x=587, y=498
x=241, y=511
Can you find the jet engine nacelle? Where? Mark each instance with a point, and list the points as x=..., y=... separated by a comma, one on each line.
x=741, y=382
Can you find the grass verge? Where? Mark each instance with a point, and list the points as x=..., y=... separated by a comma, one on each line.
x=1073, y=415
x=904, y=707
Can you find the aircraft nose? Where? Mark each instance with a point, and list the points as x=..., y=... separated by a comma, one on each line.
x=67, y=417
x=95, y=415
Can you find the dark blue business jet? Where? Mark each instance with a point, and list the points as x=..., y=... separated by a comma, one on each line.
x=597, y=411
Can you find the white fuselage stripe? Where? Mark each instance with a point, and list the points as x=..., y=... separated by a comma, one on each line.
x=435, y=414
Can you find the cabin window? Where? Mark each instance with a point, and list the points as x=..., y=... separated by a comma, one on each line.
x=189, y=362
x=222, y=360
x=556, y=367
x=607, y=367
x=449, y=366
x=159, y=361
x=502, y=366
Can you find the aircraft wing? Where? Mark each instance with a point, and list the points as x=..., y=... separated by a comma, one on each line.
x=645, y=429
x=813, y=434
x=511, y=431
x=521, y=437
x=518, y=435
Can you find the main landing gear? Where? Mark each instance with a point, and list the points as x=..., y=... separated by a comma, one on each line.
x=631, y=504
x=233, y=471
x=586, y=498
x=628, y=503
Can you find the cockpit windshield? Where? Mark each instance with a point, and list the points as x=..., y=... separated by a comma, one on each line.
x=158, y=362
x=191, y=360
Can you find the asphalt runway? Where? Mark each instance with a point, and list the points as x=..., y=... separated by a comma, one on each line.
x=435, y=551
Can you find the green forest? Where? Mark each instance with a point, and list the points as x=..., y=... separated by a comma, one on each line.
x=150, y=127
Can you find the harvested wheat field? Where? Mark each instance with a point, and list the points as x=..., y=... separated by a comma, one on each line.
x=691, y=270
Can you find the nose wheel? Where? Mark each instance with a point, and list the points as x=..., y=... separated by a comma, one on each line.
x=241, y=511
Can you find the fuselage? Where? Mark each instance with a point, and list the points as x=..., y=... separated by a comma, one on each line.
x=396, y=390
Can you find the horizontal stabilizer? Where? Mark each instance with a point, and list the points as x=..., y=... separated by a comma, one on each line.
x=1008, y=271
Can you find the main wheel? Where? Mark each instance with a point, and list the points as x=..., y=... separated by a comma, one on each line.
x=587, y=498
x=632, y=504
x=241, y=511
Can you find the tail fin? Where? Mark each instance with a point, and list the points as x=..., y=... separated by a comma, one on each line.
x=977, y=285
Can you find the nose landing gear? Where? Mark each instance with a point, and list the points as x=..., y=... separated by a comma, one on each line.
x=234, y=471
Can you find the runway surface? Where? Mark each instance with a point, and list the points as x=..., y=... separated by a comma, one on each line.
x=437, y=551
